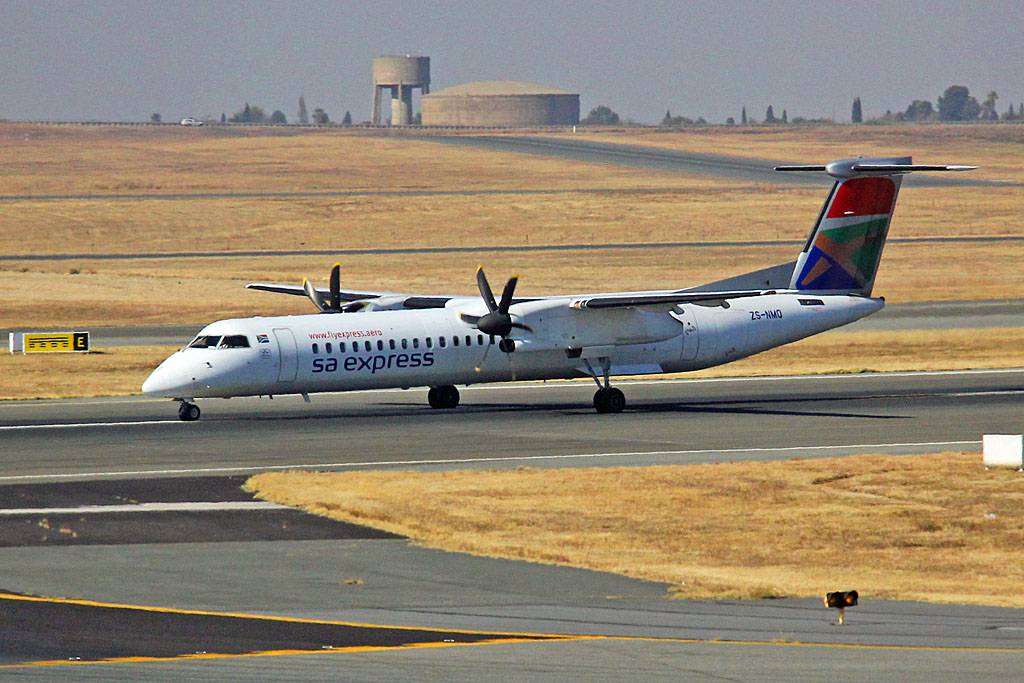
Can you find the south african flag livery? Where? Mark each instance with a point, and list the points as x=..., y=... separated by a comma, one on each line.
x=844, y=251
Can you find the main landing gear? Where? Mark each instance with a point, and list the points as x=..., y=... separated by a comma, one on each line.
x=607, y=399
x=446, y=397
x=188, y=412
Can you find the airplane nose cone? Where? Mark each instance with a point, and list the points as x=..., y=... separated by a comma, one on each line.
x=157, y=383
x=168, y=380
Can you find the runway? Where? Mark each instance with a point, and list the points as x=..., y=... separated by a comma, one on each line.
x=665, y=421
x=91, y=455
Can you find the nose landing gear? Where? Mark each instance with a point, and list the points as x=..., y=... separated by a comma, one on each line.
x=188, y=412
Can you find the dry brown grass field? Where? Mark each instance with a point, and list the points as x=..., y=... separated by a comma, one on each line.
x=696, y=210
x=890, y=526
x=121, y=370
x=68, y=160
x=111, y=372
x=47, y=293
x=65, y=160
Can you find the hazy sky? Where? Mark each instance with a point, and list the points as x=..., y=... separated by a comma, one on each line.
x=123, y=60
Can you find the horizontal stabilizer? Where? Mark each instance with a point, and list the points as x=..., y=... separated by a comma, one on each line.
x=800, y=168
x=852, y=168
x=909, y=168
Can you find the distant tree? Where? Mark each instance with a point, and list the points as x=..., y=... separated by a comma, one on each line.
x=670, y=120
x=418, y=119
x=856, y=114
x=155, y=118
x=347, y=119
x=278, y=117
x=303, y=114
x=601, y=116
x=785, y=116
x=249, y=114
x=956, y=104
x=320, y=117
x=988, y=107
x=769, y=116
x=1008, y=115
x=730, y=121
x=919, y=110
x=743, y=116
x=223, y=117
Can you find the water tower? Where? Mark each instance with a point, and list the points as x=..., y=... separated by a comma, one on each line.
x=399, y=74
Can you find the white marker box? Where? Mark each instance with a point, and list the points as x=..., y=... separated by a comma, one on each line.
x=1003, y=450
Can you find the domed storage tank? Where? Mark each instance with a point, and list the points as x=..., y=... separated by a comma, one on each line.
x=511, y=104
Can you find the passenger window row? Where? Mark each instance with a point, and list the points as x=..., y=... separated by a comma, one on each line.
x=405, y=344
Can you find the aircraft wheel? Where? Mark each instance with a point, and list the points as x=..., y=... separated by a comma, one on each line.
x=188, y=412
x=445, y=397
x=609, y=400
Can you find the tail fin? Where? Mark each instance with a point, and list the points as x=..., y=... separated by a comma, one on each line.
x=845, y=246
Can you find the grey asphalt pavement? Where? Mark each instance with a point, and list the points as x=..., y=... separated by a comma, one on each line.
x=120, y=442
x=667, y=160
x=509, y=425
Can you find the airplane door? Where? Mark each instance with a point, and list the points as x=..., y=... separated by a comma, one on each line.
x=691, y=335
x=287, y=354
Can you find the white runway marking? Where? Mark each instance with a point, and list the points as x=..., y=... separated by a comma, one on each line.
x=147, y=507
x=864, y=448
x=91, y=424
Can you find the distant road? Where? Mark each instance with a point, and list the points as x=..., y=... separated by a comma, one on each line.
x=667, y=160
x=482, y=248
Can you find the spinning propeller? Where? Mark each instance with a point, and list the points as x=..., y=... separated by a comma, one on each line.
x=332, y=302
x=497, y=321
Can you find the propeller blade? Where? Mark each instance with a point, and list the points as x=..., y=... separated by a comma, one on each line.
x=314, y=296
x=467, y=318
x=485, y=289
x=336, y=287
x=506, y=294
x=522, y=326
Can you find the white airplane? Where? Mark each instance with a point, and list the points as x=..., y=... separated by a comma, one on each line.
x=376, y=340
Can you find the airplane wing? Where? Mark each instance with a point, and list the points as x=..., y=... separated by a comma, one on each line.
x=393, y=299
x=634, y=300
x=297, y=290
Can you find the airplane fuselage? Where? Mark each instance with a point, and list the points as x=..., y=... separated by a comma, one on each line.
x=306, y=354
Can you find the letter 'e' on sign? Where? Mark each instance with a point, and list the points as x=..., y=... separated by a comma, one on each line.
x=55, y=342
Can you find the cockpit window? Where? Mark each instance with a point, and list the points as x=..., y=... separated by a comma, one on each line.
x=235, y=341
x=205, y=341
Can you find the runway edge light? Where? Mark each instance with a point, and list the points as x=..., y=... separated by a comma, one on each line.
x=840, y=600
x=1003, y=450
